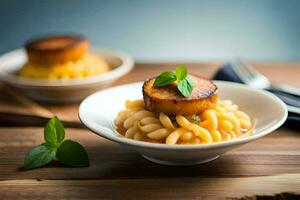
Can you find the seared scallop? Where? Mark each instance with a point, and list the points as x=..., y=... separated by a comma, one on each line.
x=57, y=49
x=169, y=100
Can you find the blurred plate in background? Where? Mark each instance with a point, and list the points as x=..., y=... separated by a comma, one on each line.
x=62, y=91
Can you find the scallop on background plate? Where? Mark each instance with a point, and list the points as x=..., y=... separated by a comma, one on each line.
x=98, y=112
x=62, y=91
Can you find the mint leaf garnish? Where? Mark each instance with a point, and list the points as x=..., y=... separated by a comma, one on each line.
x=40, y=156
x=68, y=152
x=190, y=81
x=73, y=154
x=185, y=88
x=164, y=79
x=54, y=131
x=185, y=83
x=181, y=72
x=196, y=118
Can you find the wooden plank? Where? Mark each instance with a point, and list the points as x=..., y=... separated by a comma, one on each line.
x=175, y=188
x=275, y=154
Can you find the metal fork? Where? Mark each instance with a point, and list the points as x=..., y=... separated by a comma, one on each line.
x=290, y=95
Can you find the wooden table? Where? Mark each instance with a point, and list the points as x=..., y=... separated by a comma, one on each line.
x=267, y=166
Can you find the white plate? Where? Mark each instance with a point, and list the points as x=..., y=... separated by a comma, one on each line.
x=62, y=91
x=98, y=111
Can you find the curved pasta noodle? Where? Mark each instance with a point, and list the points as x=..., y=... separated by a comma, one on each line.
x=166, y=121
x=230, y=117
x=149, y=120
x=128, y=122
x=175, y=135
x=159, y=134
x=149, y=127
x=225, y=125
x=122, y=116
x=187, y=136
x=222, y=123
x=142, y=114
x=134, y=104
x=197, y=130
x=211, y=122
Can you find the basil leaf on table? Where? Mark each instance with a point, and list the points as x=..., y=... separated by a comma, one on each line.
x=181, y=73
x=68, y=152
x=73, y=154
x=165, y=79
x=40, y=156
x=54, y=131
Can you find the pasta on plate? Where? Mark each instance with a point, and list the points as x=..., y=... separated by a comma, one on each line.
x=221, y=123
x=182, y=108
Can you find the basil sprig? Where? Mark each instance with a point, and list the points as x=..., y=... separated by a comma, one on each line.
x=185, y=83
x=67, y=152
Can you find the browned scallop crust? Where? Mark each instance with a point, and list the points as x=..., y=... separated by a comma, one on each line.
x=168, y=99
x=57, y=49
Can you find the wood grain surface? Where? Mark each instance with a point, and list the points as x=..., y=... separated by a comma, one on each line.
x=266, y=166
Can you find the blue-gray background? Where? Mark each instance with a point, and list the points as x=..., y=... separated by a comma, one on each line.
x=163, y=30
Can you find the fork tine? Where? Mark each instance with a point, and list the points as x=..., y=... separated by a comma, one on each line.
x=244, y=74
x=248, y=67
x=251, y=76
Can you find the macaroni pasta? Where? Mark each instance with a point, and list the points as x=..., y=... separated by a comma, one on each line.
x=224, y=122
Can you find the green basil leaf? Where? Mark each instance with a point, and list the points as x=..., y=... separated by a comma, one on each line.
x=54, y=131
x=181, y=72
x=40, y=156
x=185, y=88
x=164, y=79
x=73, y=154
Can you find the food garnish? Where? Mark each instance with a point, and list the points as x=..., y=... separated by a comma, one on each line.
x=67, y=152
x=184, y=83
x=196, y=118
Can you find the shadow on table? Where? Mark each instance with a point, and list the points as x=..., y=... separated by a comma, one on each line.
x=130, y=164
